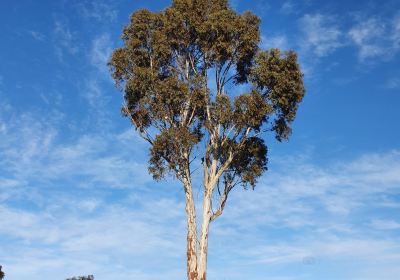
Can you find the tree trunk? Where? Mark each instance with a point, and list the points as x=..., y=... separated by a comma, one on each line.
x=203, y=250
x=191, y=234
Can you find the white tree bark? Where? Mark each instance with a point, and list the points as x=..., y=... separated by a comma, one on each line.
x=203, y=250
x=191, y=233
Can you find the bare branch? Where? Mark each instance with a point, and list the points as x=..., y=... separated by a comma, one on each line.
x=227, y=134
x=192, y=61
x=222, y=201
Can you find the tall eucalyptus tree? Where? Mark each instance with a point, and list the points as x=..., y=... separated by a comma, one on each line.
x=196, y=81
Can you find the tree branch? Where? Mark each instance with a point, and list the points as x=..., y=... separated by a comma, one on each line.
x=222, y=201
x=142, y=131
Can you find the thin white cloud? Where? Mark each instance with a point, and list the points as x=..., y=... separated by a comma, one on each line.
x=321, y=203
x=101, y=52
x=288, y=7
x=385, y=224
x=321, y=35
x=392, y=83
x=31, y=151
x=93, y=94
x=377, y=38
x=97, y=10
x=332, y=248
x=64, y=40
x=369, y=37
x=38, y=36
x=1, y=84
x=98, y=79
x=278, y=41
x=396, y=32
x=119, y=233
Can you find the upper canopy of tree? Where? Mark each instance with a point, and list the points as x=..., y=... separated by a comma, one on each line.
x=167, y=68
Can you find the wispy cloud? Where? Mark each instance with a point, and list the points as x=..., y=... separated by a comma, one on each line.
x=288, y=7
x=98, y=78
x=396, y=32
x=385, y=224
x=38, y=36
x=393, y=83
x=32, y=151
x=321, y=35
x=327, y=206
x=278, y=41
x=94, y=95
x=1, y=84
x=93, y=240
x=332, y=248
x=100, y=52
x=64, y=40
x=369, y=37
x=97, y=10
x=377, y=38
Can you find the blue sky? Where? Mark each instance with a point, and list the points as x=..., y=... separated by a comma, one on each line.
x=75, y=196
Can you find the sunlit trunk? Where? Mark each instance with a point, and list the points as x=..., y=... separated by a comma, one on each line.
x=191, y=236
x=203, y=250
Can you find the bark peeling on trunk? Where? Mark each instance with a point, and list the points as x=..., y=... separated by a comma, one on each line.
x=191, y=233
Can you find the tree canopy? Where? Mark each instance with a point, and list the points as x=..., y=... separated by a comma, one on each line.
x=165, y=66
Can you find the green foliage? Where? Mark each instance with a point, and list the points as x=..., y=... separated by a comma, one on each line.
x=167, y=145
x=281, y=81
x=251, y=160
x=165, y=68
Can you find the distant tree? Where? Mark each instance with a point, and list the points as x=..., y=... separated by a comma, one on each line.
x=200, y=91
x=1, y=273
x=89, y=277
